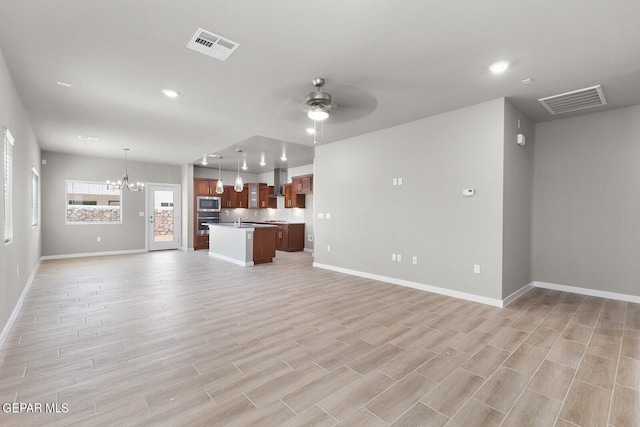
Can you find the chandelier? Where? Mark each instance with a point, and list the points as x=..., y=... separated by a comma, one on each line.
x=124, y=182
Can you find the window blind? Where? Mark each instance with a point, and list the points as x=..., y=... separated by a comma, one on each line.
x=8, y=186
x=35, y=197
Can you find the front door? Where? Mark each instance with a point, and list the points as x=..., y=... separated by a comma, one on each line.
x=163, y=210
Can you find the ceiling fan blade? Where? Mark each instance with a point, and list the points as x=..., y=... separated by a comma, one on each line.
x=348, y=102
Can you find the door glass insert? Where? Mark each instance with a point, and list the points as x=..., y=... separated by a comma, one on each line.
x=164, y=214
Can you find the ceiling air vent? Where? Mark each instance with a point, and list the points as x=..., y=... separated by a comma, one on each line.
x=574, y=101
x=212, y=44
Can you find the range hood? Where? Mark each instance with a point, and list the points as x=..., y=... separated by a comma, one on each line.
x=279, y=180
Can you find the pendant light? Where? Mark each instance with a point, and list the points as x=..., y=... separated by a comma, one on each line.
x=238, y=184
x=219, y=184
x=124, y=182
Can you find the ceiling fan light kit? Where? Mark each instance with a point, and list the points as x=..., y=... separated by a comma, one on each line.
x=318, y=113
x=320, y=102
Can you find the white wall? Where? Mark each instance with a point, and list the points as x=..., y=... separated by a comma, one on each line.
x=586, y=203
x=59, y=238
x=427, y=216
x=518, y=187
x=18, y=259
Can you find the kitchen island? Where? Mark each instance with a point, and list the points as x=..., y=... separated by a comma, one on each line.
x=245, y=245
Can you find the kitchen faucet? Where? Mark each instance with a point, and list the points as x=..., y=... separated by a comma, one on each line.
x=242, y=219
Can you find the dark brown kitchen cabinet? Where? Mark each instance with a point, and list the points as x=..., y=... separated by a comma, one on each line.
x=290, y=237
x=232, y=199
x=201, y=242
x=292, y=200
x=204, y=187
x=264, y=249
x=266, y=199
x=302, y=184
x=258, y=196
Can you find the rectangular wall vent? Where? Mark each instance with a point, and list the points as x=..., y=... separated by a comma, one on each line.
x=574, y=101
x=211, y=44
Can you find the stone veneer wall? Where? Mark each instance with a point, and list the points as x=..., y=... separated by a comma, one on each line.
x=163, y=221
x=163, y=216
x=93, y=213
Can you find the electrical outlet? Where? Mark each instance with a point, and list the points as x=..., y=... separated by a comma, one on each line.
x=140, y=213
x=399, y=258
x=476, y=268
x=310, y=237
x=415, y=259
x=393, y=257
x=328, y=215
x=328, y=248
x=394, y=181
x=399, y=181
x=320, y=215
x=99, y=239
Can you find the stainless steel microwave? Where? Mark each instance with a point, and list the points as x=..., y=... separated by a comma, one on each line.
x=208, y=204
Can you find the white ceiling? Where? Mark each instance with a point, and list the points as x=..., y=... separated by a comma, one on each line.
x=385, y=62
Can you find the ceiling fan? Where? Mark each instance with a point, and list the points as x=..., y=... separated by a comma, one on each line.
x=295, y=108
x=318, y=102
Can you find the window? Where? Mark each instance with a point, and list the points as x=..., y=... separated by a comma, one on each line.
x=92, y=203
x=35, y=198
x=8, y=186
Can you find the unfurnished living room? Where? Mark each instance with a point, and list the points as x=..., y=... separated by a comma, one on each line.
x=286, y=213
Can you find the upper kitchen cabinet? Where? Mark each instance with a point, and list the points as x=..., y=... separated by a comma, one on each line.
x=232, y=199
x=204, y=187
x=292, y=200
x=259, y=196
x=267, y=200
x=302, y=184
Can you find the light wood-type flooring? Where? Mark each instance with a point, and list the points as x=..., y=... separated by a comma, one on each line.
x=181, y=339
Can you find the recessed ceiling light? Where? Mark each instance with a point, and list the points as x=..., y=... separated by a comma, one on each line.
x=204, y=161
x=88, y=138
x=170, y=93
x=63, y=84
x=499, y=67
x=311, y=131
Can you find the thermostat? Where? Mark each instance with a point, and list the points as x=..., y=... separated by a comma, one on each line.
x=468, y=192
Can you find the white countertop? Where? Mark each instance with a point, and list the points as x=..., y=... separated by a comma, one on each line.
x=244, y=226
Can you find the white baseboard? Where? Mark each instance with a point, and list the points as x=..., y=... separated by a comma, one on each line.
x=90, y=254
x=232, y=260
x=16, y=309
x=308, y=250
x=415, y=285
x=517, y=294
x=186, y=249
x=588, y=292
